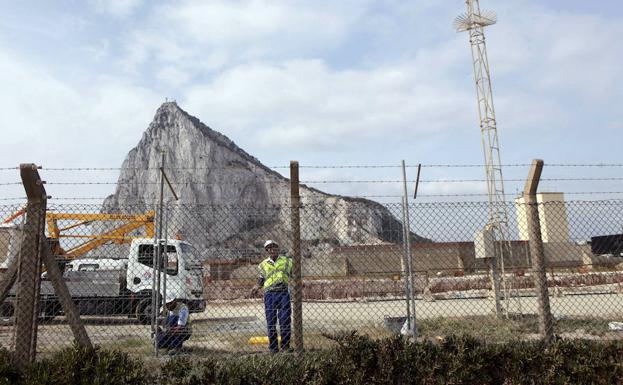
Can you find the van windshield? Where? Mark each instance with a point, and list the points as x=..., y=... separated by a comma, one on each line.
x=191, y=258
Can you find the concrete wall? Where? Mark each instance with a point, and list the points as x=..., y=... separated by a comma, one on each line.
x=245, y=272
x=326, y=265
x=441, y=256
x=370, y=260
x=565, y=254
x=451, y=257
x=322, y=266
x=386, y=260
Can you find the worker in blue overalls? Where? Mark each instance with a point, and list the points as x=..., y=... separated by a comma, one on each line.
x=275, y=273
x=177, y=327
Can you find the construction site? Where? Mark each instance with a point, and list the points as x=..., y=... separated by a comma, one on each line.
x=191, y=212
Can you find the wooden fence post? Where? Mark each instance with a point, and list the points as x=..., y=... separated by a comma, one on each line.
x=34, y=251
x=297, y=311
x=29, y=267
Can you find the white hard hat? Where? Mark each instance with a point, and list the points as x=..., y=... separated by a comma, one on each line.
x=170, y=298
x=270, y=242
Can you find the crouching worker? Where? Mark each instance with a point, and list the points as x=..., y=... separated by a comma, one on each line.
x=177, y=327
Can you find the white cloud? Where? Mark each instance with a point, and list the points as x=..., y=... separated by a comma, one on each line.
x=52, y=121
x=117, y=8
x=99, y=51
x=207, y=36
x=223, y=23
x=304, y=103
x=548, y=52
x=173, y=76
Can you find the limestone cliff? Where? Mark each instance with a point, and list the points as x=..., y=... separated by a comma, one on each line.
x=229, y=200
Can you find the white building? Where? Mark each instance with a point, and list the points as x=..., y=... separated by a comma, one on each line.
x=552, y=217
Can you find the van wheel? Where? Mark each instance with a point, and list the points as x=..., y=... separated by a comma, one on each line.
x=49, y=312
x=7, y=310
x=45, y=317
x=143, y=311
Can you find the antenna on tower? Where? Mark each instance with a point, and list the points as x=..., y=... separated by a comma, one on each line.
x=466, y=21
x=474, y=21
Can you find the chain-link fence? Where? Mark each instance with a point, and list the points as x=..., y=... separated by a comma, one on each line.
x=124, y=265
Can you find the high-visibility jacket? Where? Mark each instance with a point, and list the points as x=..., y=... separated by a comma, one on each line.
x=276, y=273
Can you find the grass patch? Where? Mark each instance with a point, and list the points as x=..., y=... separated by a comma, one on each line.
x=592, y=326
x=492, y=329
x=131, y=345
x=488, y=328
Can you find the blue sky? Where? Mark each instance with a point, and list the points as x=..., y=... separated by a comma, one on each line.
x=323, y=82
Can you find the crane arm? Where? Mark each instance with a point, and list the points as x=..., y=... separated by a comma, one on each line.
x=118, y=235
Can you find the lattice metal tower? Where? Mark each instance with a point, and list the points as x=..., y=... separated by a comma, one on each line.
x=474, y=21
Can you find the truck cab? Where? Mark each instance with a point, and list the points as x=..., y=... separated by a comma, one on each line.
x=10, y=243
x=180, y=268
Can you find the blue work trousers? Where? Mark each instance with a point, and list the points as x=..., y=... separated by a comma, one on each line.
x=277, y=307
x=170, y=340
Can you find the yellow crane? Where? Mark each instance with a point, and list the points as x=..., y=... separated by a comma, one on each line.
x=116, y=235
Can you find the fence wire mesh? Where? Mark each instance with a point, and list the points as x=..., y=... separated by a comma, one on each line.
x=123, y=264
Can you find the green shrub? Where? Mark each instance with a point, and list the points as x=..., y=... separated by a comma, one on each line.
x=92, y=366
x=314, y=368
x=355, y=360
x=466, y=360
x=8, y=373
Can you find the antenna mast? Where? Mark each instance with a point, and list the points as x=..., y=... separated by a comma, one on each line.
x=474, y=21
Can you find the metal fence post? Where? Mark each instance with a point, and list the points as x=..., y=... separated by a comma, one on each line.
x=297, y=311
x=157, y=260
x=405, y=264
x=407, y=233
x=537, y=252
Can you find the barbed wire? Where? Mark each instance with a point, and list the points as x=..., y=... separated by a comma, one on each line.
x=79, y=198
x=482, y=194
x=371, y=166
x=364, y=196
x=458, y=180
x=343, y=181
x=96, y=168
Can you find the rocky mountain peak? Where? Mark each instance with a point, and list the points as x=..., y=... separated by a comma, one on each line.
x=208, y=169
